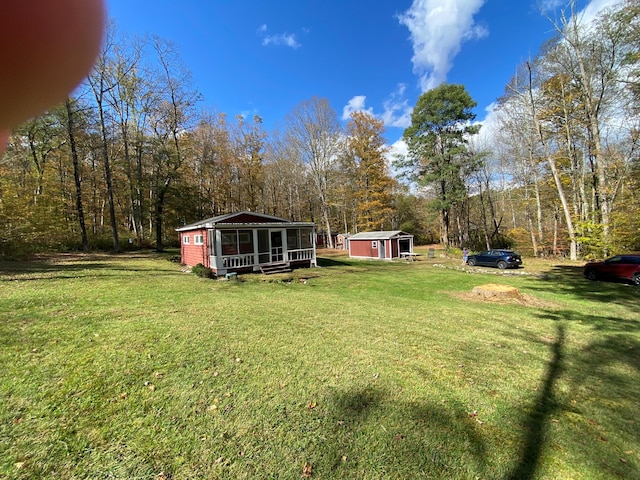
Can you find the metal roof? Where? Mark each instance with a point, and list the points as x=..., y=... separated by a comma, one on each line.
x=228, y=220
x=381, y=235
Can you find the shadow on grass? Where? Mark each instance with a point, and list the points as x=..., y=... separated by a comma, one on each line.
x=569, y=280
x=401, y=440
x=331, y=262
x=602, y=384
x=74, y=266
x=536, y=423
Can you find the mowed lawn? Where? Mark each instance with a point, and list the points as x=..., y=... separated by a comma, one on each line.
x=130, y=367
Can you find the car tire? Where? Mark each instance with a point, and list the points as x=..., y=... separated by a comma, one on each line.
x=591, y=275
x=471, y=262
x=636, y=279
x=502, y=264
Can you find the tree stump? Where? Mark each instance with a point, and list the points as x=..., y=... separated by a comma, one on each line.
x=496, y=291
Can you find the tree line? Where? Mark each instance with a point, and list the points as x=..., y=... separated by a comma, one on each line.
x=132, y=156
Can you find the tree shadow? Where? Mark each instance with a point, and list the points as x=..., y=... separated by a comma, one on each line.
x=74, y=266
x=536, y=423
x=331, y=262
x=570, y=280
x=421, y=438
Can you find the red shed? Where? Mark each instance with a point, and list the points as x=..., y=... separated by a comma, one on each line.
x=385, y=245
x=247, y=241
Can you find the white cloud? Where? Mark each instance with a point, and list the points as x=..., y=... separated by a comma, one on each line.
x=590, y=12
x=397, y=111
x=356, y=104
x=280, y=39
x=438, y=28
x=547, y=6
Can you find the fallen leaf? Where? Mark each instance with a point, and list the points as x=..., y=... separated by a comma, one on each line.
x=123, y=396
x=306, y=470
x=343, y=458
x=399, y=436
x=623, y=460
x=158, y=374
x=311, y=406
x=18, y=465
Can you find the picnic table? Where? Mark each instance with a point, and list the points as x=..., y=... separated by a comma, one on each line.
x=409, y=256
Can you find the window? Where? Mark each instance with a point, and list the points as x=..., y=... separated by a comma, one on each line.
x=185, y=239
x=374, y=244
x=197, y=240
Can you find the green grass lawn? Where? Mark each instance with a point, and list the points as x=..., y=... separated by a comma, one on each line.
x=128, y=367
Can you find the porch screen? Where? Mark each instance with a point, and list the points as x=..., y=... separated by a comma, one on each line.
x=230, y=242
x=306, y=240
x=236, y=242
x=299, y=238
x=264, y=255
x=293, y=242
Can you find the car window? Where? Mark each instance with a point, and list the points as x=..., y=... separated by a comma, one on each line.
x=616, y=259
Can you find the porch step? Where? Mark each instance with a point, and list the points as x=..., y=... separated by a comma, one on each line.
x=275, y=267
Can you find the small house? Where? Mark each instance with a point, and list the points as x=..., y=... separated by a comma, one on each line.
x=247, y=242
x=342, y=241
x=386, y=245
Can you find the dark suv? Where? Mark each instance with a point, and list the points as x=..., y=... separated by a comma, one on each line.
x=620, y=267
x=495, y=258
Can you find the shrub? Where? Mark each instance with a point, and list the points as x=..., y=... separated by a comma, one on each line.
x=202, y=271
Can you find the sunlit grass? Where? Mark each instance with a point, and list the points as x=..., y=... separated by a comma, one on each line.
x=129, y=367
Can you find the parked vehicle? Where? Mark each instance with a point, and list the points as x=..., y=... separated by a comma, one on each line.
x=620, y=267
x=500, y=258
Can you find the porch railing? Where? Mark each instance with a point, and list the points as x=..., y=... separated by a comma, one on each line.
x=301, y=254
x=250, y=259
x=237, y=261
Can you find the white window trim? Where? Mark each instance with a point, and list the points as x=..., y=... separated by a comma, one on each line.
x=198, y=240
x=185, y=240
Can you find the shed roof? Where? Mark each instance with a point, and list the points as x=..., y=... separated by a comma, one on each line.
x=381, y=235
x=244, y=218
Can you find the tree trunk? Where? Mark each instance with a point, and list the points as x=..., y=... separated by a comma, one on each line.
x=76, y=176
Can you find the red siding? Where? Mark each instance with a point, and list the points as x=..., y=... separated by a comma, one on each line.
x=363, y=248
x=192, y=254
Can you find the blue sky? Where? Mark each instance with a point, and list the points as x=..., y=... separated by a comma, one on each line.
x=265, y=56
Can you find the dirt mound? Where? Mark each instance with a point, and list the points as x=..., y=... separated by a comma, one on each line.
x=494, y=290
x=496, y=293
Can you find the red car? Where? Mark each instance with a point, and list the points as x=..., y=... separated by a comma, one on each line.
x=620, y=267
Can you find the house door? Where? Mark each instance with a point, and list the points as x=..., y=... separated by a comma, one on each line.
x=276, y=246
x=382, y=249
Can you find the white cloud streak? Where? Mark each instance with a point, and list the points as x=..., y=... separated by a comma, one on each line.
x=280, y=39
x=438, y=28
